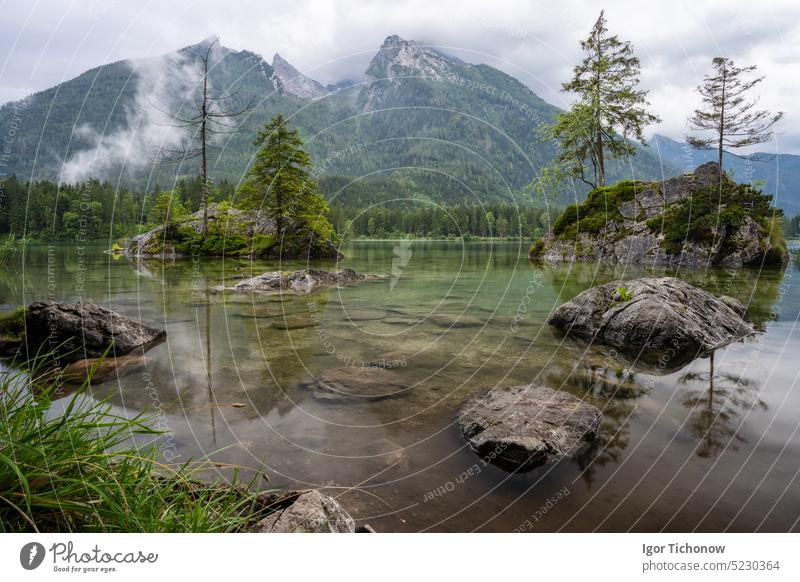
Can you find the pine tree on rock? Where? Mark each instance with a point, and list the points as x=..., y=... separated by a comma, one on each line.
x=279, y=185
x=728, y=114
x=610, y=109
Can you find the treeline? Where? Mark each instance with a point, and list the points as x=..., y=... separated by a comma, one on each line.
x=791, y=227
x=429, y=220
x=89, y=210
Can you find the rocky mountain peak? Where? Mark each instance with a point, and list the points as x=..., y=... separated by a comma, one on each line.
x=288, y=79
x=398, y=57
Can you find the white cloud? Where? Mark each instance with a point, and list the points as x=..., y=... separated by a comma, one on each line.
x=536, y=41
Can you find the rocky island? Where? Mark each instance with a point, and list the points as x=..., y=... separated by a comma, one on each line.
x=694, y=220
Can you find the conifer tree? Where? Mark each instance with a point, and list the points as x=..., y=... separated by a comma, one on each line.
x=279, y=183
x=610, y=109
x=728, y=114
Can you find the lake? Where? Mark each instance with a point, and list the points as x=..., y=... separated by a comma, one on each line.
x=678, y=450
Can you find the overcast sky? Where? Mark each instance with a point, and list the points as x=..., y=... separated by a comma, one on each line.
x=48, y=41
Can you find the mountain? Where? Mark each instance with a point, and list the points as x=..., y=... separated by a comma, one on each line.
x=290, y=80
x=779, y=172
x=421, y=124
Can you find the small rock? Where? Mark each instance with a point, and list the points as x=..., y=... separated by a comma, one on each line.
x=311, y=512
x=301, y=282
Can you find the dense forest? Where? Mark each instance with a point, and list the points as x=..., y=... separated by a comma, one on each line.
x=90, y=210
x=95, y=210
x=496, y=219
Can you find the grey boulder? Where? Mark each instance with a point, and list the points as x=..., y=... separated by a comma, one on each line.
x=654, y=316
x=74, y=331
x=523, y=427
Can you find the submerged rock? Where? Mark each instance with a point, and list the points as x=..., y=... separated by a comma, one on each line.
x=301, y=282
x=74, y=331
x=523, y=427
x=307, y=512
x=356, y=383
x=661, y=315
x=104, y=368
x=291, y=322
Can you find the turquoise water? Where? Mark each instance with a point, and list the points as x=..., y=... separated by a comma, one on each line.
x=678, y=450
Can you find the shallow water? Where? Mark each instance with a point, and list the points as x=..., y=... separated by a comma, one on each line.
x=231, y=382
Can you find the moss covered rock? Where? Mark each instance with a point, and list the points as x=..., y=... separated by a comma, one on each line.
x=231, y=232
x=696, y=220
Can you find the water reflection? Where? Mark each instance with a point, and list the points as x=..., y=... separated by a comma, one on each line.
x=232, y=381
x=717, y=402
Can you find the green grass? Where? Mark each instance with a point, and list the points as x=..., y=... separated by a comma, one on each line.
x=78, y=470
x=624, y=294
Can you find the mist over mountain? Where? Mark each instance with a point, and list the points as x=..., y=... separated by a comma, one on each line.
x=420, y=123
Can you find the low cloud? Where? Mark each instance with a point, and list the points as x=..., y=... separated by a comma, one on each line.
x=163, y=86
x=535, y=41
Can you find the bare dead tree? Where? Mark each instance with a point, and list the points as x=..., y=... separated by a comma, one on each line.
x=211, y=119
x=728, y=113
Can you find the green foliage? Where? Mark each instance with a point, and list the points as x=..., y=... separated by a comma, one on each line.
x=218, y=241
x=610, y=109
x=168, y=209
x=12, y=323
x=729, y=113
x=624, y=294
x=601, y=206
x=791, y=227
x=279, y=184
x=536, y=250
x=716, y=211
x=79, y=471
x=419, y=219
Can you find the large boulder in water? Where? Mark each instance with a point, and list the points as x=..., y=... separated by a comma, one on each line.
x=523, y=427
x=653, y=316
x=306, y=512
x=83, y=330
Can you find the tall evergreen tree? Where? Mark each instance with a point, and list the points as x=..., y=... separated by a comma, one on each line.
x=279, y=183
x=728, y=114
x=610, y=109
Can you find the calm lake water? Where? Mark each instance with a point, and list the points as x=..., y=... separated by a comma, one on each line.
x=674, y=453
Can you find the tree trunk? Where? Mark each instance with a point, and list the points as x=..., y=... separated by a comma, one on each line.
x=721, y=124
x=601, y=164
x=203, y=158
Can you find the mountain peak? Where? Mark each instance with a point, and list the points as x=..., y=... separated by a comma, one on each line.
x=392, y=41
x=399, y=57
x=288, y=79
